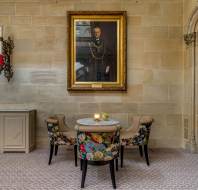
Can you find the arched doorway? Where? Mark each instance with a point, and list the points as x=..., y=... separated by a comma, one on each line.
x=190, y=109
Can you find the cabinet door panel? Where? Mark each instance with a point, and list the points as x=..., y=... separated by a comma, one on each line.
x=14, y=131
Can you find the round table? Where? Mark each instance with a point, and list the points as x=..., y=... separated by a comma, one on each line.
x=92, y=122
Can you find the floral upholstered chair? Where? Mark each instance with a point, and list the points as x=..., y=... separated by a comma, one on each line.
x=57, y=137
x=98, y=144
x=137, y=134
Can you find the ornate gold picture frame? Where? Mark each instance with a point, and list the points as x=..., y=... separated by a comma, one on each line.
x=96, y=50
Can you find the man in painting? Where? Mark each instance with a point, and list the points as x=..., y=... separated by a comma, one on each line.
x=98, y=64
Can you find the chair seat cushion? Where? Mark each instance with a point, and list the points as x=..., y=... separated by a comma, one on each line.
x=127, y=136
x=62, y=141
x=71, y=136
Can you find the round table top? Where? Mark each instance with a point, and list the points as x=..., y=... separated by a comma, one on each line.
x=91, y=121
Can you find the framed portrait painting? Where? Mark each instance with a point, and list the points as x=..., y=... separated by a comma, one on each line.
x=97, y=50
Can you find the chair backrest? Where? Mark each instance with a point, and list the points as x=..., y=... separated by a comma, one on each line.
x=135, y=125
x=53, y=129
x=147, y=121
x=98, y=143
x=61, y=122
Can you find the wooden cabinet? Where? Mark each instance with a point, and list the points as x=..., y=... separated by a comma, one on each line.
x=17, y=130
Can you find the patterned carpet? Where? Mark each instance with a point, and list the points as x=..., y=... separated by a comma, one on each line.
x=169, y=169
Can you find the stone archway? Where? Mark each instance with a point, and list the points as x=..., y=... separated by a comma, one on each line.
x=190, y=111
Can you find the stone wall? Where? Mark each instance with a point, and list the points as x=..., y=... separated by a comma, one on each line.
x=155, y=64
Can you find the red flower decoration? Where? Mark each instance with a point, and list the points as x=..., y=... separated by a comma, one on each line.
x=82, y=148
x=88, y=134
x=1, y=59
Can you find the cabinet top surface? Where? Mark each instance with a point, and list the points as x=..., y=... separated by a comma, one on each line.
x=16, y=110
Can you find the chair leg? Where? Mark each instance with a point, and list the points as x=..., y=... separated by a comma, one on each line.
x=111, y=166
x=81, y=163
x=146, y=154
x=75, y=154
x=84, y=171
x=121, y=155
x=140, y=150
x=116, y=161
x=51, y=153
x=56, y=150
